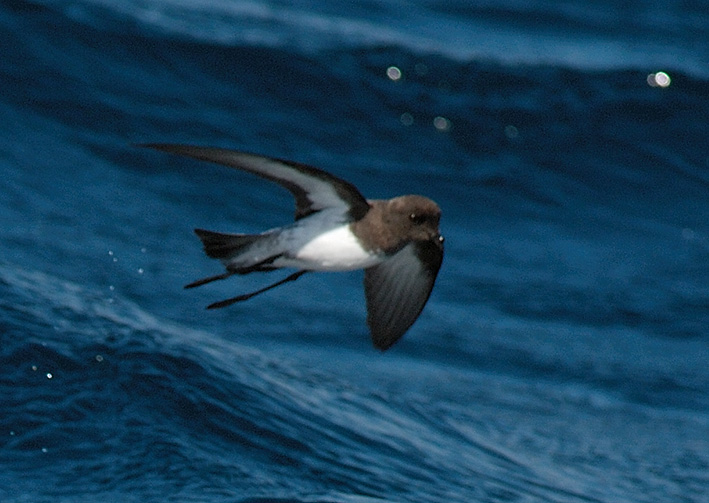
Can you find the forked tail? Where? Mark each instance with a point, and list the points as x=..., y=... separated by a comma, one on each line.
x=226, y=247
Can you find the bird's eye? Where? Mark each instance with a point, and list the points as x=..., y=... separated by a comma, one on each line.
x=417, y=219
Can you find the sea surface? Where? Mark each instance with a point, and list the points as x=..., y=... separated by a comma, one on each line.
x=563, y=355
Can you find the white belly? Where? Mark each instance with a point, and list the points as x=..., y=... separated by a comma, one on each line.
x=335, y=250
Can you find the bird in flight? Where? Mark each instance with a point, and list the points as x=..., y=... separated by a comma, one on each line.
x=396, y=241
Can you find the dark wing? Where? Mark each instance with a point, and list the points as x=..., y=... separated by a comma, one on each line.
x=313, y=189
x=398, y=288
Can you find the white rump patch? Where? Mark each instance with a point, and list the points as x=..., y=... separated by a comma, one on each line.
x=336, y=250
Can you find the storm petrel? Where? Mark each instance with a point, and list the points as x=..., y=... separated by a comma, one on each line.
x=397, y=241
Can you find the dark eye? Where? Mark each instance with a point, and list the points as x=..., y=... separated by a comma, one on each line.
x=417, y=219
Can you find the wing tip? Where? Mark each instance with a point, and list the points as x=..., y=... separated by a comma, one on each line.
x=384, y=337
x=153, y=145
x=383, y=346
x=172, y=148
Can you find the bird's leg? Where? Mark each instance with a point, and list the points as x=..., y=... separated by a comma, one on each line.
x=262, y=266
x=247, y=296
x=204, y=281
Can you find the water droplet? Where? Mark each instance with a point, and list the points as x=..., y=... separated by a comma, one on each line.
x=140, y=270
x=421, y=69
x=659, y=79
x=49, y=375
x=394, y=73
x=441, y=123
x=511, y=132
x=99, y=358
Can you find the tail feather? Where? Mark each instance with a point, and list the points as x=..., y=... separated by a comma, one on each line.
x=222, y=246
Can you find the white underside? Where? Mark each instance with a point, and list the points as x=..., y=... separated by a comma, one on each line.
x=334, y=250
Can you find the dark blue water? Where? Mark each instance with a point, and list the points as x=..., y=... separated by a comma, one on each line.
x=563, y=355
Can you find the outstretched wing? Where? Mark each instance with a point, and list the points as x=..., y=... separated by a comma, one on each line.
x=398, y=288
x=313, y=189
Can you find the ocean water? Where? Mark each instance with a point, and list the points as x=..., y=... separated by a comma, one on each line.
x=563, y=355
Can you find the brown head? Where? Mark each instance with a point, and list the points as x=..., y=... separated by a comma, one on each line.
x=391, y=224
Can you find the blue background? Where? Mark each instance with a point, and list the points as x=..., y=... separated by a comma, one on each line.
x=563, y=355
